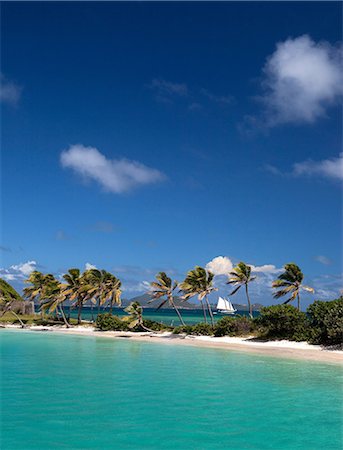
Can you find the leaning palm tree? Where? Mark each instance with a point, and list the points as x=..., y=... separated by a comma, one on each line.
x=199, y=281
x=164, y=287
x=112, y=290
x=54, y=297
x=135, y=317
x=6, y=306
x=35, y=292
x=76, y=290
x=241, y=276
x=290, y=283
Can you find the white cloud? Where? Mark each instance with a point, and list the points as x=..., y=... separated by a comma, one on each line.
x=266, y=268
x=221, y=265
x=302, y=78
x=116, y=175
x=164, y=88
x=25, y=268
x=89, y=266
x=9, y=91
x=323, y=260
x=18, y=271
x=223, y=99
x=330, y=168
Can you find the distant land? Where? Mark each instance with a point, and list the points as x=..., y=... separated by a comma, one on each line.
x=181, y=304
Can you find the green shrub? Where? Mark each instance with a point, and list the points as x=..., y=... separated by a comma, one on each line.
x=326, y=321
x=234, y=326
x=283, y=322
x=108, y=322
x=183, y=329
x=200, y=329
x=153, y=325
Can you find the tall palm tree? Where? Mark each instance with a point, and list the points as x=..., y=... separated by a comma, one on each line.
x=135, y=318
x=103, y=287
x=6, y=305
x=290, y=283
x=76, y=289
x=241, y=276
x=112, y=290
x=164, y=287
x=199, y=281
x=37, y=281
x=54, y=297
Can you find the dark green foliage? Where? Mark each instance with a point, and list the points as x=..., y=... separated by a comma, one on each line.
x=8, y=293
x=200, y=329
x=326, y=321
x=234, y=326
x=187, y=329
x=283, y=322
x=108, y=322
x=156, y=326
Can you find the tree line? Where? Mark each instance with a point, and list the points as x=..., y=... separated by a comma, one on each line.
x=101, y=287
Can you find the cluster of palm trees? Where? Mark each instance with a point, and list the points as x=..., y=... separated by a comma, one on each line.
x=103, y=288
x=97, y=286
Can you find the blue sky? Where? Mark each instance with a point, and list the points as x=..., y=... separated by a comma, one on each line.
x=139, y=137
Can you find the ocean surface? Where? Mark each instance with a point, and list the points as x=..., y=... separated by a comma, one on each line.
x=76, y=392
x=166, y=316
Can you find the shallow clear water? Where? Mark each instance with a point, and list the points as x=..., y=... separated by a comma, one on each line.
x=76, y=392
x=166, y=316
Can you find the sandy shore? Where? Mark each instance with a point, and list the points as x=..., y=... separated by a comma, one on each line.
x=280, y=349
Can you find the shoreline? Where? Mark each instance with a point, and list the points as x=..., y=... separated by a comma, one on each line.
x=279, y=349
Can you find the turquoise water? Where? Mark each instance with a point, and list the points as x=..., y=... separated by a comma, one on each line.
x=166, y=316
x=75, y=392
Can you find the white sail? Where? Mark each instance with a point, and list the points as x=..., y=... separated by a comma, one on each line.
x=225, y=305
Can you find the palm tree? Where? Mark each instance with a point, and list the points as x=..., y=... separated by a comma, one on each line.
x=76, y=290
x=7, y=306
x=290, y=282
x=112, y=291
x=103, y=286
x=164, y=287
x=135, y=318
x=54, y=297
x=37, y=281
x=241, y=276
x=199, y=281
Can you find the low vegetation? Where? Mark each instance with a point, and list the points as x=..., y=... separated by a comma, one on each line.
x=321, y=324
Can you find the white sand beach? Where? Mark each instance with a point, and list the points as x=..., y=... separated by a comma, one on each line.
x=280, y=349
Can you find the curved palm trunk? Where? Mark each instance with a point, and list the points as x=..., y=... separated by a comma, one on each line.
x=98, y=306
x=210, y=310
x=249, y=303
x=111, y=305
x=203, y=310
x=298, y=299
x=64, y=318
x=17, y=317
x=79, y=313
x=176, y=309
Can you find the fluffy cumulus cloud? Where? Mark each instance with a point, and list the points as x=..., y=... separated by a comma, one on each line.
x=18, y=272
x=221, y=265
x=114, y=175
x=9, y=91
x=329, y=168
x=266, y=268
x=89, y=266
x=301, y=79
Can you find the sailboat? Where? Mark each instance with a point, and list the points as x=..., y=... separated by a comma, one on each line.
x=225, y=306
